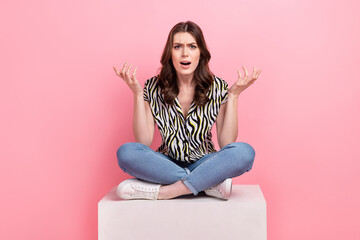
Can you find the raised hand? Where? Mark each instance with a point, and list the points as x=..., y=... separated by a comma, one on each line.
x=244, y=81
x=130, y=79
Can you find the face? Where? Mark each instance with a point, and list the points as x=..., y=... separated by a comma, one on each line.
x=185, y=54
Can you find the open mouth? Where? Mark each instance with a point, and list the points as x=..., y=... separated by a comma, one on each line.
x=185, y=63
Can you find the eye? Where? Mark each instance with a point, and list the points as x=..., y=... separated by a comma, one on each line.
x=192, y=46
x=176, y=46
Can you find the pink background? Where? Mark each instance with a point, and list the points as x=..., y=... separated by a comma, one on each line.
x=64, y=112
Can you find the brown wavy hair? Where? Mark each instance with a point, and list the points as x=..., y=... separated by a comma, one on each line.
x=203, y=77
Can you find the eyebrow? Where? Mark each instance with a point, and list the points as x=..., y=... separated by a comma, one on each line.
x=188, y=43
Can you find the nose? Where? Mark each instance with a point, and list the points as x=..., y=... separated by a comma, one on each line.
x=184, y=52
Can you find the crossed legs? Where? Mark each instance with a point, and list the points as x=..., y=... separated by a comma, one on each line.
x=142, y=162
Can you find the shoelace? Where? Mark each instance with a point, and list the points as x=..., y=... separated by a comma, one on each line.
x=215, y=189
x=144, y=192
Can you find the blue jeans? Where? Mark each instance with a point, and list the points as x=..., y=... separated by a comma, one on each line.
x=142, y=162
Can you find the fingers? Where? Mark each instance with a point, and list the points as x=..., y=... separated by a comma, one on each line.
x=239, y=73
x=125, y=72
x=115, y=70
x=255, y=74
x=258, y=73
x=128, y=71
x=243, y=80
x=246, y=73
x=120, y=73
x=246, y=80
x=124, y=66
x=134, y=74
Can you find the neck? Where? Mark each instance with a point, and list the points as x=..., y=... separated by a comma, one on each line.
x=185, y=80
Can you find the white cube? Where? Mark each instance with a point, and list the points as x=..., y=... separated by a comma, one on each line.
x=243, y=216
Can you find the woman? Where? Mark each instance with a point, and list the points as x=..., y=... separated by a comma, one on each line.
x=184, y=100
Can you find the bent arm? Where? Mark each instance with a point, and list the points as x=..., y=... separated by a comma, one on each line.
x=227, y=122
x=143, y=121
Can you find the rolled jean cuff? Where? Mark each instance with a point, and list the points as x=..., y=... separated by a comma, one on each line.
x=190, y=187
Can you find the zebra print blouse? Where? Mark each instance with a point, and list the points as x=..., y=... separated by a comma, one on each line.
x=185, y=140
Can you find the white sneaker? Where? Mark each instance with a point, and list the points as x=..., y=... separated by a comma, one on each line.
x=222, y=190
x=134, y=188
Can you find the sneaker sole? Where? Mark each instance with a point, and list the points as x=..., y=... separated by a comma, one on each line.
x=228, y=187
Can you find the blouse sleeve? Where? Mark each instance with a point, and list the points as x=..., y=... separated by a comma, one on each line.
x=223, y=91
x=146, y=94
